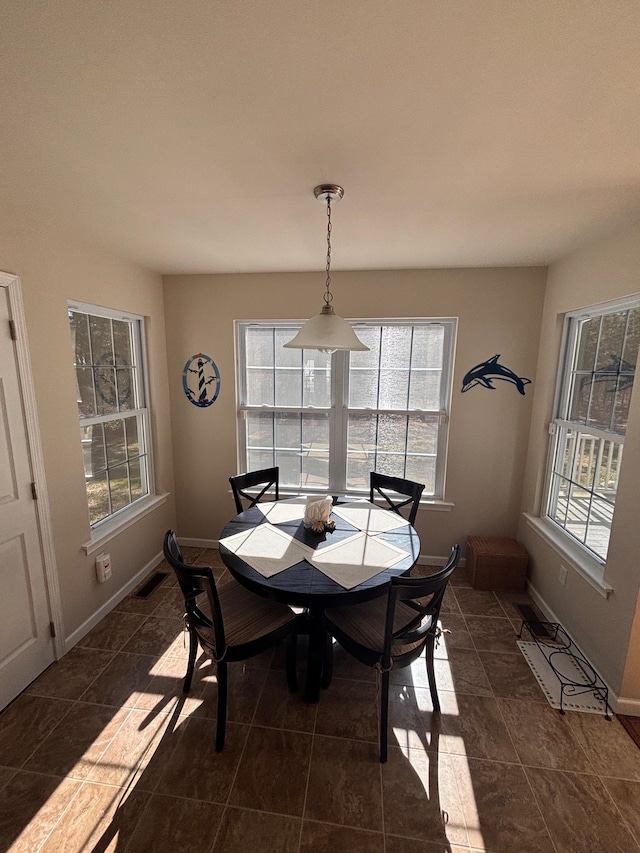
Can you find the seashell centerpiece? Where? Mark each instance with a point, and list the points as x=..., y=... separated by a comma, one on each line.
x=316, y=514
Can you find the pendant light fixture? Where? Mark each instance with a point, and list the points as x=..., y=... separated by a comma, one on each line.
x=327, y=331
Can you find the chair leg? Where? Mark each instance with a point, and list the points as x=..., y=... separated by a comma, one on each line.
x=327, y=661
x=384, y=716
x=431, y=674
x=221, y=725
x=193, y=648
x=291, y=659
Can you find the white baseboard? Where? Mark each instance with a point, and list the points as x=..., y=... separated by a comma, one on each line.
x=198, y=543
x=108, y=606
x=630, y=707
x=542, y=604
x=426, y=560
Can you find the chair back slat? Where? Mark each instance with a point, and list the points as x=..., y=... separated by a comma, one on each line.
x=195, y=581
x=268, y=478
x=409, y=630
x=397, y=494
x=424, y=596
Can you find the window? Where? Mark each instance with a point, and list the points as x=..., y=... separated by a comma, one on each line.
x=328, y=420
x=112, y=408
x=596, y=380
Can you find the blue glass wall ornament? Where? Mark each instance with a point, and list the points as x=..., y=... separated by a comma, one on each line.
x=487, y=372
x=201, y=380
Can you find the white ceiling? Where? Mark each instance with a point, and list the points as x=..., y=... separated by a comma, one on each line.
x=188, y=136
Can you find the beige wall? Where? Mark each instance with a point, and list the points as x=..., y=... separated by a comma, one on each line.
x=53, y=268
x=606, y=269
x=492, y=433
x=499, y=311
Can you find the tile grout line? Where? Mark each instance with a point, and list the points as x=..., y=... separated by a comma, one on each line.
x=61, y=816
x=180, y=701
x=30, y=755
x=540, y=809
x=117, y=613
x=306, y=790
x=33, y=692
x=624, y=821
x=241, y=756
x=226, y=807
x=507, y=729
x=520, y=762
x=459, y=796
x=380, y=768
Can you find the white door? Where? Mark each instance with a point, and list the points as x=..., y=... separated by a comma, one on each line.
x=26, y=646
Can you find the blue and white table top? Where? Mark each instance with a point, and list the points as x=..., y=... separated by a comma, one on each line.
x=268, y=544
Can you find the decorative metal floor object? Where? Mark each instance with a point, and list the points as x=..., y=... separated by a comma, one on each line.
x=565, y=675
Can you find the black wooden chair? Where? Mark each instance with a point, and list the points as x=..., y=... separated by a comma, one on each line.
x=393, y=631
x=397, y=493
x=229, y=622
x=266, y=479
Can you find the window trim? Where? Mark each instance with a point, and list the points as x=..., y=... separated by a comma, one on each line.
x=339, y=384
x=586, y=562
x=116, y=522
x=571, y=552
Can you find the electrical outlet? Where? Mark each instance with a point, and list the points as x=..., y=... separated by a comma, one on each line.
x=103, y=567
x=562, y=574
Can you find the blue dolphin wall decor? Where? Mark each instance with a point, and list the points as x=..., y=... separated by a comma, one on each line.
x=488, y=371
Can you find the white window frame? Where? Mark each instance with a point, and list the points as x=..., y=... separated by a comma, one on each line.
x=118, y=520
x=339, y=411
x=587, y=562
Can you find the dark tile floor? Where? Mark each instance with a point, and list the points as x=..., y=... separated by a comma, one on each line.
x=104, y=753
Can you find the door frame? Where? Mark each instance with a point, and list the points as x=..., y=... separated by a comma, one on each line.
x=36, y=459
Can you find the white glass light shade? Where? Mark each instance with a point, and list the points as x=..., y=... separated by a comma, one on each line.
x=326, y=332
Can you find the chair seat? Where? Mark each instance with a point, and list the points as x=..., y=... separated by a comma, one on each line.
x=365, y=623
x=395, y=630
x=247, y=616
x=228, y=623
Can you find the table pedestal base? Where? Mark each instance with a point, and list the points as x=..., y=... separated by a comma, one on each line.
x=319, y=655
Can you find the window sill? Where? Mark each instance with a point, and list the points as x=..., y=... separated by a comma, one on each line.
x=426, y=503
x=437, y=506
x=576, y=557
x=110, y=529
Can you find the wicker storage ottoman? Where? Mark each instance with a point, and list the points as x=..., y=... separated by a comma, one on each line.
x=494, y=563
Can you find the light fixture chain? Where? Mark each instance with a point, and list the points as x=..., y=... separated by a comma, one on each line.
x=328, y=296
x=326, y=331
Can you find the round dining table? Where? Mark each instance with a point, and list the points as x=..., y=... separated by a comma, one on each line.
x=305, y=586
